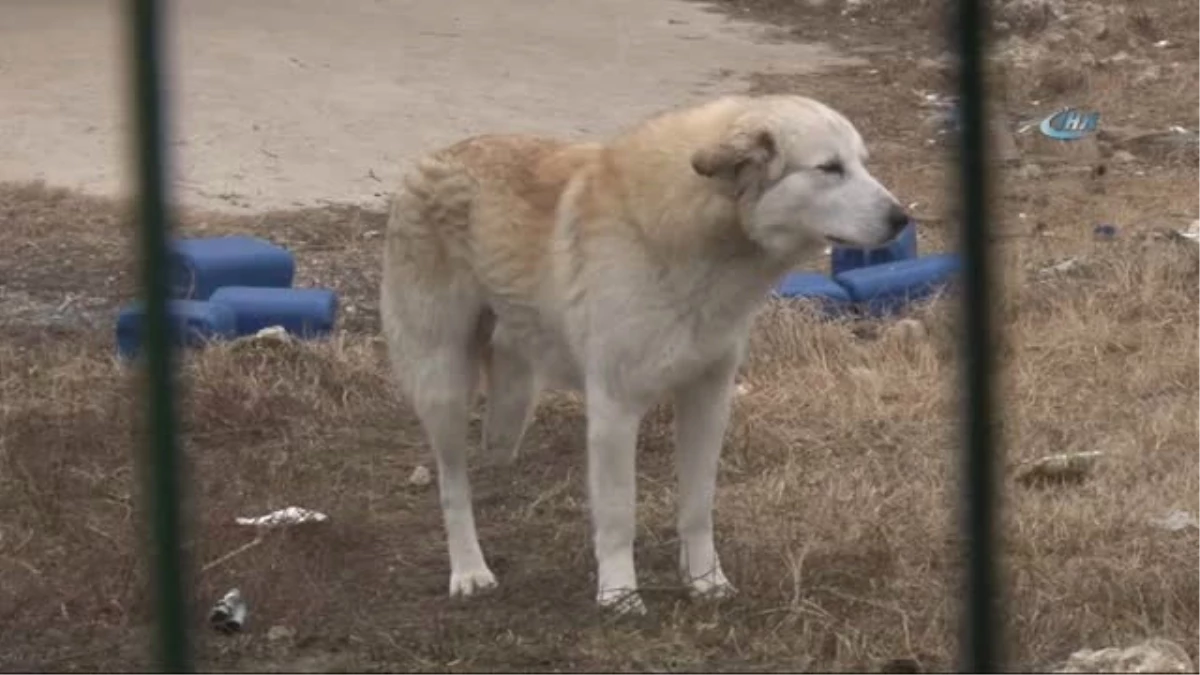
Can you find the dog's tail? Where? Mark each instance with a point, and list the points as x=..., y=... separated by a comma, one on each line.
x=432, y=306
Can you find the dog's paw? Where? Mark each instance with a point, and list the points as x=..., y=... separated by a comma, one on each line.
x=711, y=586
x=621, y=601
x=466, y=584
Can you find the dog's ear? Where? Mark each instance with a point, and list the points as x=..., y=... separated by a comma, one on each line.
x=727, y=158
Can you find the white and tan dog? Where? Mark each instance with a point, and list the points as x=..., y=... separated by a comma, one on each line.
x=627, y=270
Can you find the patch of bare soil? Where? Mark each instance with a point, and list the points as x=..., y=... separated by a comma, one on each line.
x=838, y=481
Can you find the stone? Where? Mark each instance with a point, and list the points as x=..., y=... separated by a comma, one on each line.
x=1030, y=171
x=420, y=476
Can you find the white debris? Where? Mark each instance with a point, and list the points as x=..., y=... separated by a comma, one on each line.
x=275, y=333
x=1068, y=265
x=1176, y=521
x=1191, y=232
x=292, y=515
x=742, y=389
x=420, y=476
x=271, y=335
x=1155, y=655
x=229, y=614
x=1070, y=467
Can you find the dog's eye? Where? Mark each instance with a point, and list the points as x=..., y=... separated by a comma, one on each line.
x=833, y=166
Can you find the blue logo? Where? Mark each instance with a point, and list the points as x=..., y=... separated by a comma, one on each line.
x=1069, y=124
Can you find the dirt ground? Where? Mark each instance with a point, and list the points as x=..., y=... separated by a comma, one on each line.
x=299, y=103
x=837, y=485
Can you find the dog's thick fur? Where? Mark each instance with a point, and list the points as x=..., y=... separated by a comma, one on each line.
x=626, y=270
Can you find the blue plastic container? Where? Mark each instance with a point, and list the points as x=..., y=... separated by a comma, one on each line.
x=886, y=289
x=200, y=266
x=903, y=247
x=828, y=295
x=195, y=321
x=303, y=312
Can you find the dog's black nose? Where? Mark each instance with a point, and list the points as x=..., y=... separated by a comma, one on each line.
x=897, y=219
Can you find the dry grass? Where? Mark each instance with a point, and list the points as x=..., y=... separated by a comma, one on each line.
x=837, y=485
x=834, y=502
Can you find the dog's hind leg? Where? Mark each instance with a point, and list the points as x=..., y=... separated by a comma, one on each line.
x=442, y=401
x=441, y=377
x=430, y=335
x=512, y=393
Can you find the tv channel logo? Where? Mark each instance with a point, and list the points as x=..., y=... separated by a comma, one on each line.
x=1070, y=124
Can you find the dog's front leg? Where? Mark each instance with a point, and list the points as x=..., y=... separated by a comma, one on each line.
x=612, y=426
x=701, y=416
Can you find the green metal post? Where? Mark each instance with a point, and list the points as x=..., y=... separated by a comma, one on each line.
x=982, y=638
x=162, y=459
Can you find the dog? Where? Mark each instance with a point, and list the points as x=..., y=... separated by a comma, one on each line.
x=628, y=270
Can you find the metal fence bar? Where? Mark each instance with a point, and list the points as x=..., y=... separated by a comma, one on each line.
x=162, y=475
x=981, y=639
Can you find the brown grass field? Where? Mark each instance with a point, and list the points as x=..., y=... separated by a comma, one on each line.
x=838, y=485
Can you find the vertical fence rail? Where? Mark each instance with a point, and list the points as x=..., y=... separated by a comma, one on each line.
x=146, y=56
x=981, y=637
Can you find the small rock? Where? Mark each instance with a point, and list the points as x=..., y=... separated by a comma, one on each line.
x=1123, y=157
x=1030, y=171
x=420, y=477
x=279, y=633
x=1155, y=655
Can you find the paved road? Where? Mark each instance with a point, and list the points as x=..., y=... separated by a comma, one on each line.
x=293, y=102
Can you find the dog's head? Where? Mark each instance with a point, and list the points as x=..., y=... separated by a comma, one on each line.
x=796, y=168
